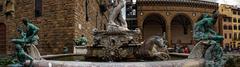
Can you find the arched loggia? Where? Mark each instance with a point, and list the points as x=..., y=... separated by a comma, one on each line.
x=181, y=29
x=153, y=24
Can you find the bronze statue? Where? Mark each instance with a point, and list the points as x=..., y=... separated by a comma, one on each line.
x=21, y=55
x=81, y=41
x=29, y=40
x=207, y=38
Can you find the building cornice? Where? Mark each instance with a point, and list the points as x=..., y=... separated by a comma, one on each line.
x=185, y=3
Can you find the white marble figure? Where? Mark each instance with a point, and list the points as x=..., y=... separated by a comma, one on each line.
x=116, y=21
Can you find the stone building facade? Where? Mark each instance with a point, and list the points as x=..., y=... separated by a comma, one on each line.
x=175, y=17
x=230, y=25
x=60, y=22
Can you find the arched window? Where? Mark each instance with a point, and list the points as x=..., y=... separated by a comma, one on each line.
x=230, y=36
x=230, y=27
x=1, y=7
x=225, y=35
x=38, y=8
x=234, y=20
x=235, y=36
x=229, y=19
x=225, y=27
x=238, y=36
x=238, y=27
x=225, y=19
x=86, y=10
x=234, y=12
x=238, y=19
x=235, y=27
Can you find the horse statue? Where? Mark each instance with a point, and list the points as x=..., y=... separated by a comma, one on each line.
x=155, y=47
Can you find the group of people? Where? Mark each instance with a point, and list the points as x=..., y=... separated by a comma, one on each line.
x=180, y=48
x=231, y=49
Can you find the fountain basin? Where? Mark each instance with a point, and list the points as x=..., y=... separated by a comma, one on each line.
x=81, y=57
x=77, y=60
x=171, y=63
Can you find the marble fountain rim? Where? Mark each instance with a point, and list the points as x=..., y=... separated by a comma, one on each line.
x=170, y=63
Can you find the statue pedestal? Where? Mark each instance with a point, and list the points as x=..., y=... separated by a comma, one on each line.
x=114, y=45
x=80, y=50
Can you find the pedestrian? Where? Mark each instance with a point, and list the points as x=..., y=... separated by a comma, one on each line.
x=177, y=46
x=186, y=50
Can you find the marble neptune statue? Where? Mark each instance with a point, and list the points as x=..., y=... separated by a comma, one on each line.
x=116, y=21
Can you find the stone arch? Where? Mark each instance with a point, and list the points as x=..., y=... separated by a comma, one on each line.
x=181, y=29
x=153, y=24
x=2, y=39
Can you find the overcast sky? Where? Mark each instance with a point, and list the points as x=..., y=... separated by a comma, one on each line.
x=230, y=2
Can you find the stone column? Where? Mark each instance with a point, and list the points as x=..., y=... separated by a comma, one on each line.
x=169, y=36
x=140, y=25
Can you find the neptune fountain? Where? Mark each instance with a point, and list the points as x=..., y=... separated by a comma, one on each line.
x=117, y=46
x=118, y=42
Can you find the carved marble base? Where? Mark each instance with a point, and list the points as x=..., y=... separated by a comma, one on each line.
x=114, y=28
x=114, y=44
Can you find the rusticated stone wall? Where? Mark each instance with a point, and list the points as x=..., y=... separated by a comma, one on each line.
x=61, y=22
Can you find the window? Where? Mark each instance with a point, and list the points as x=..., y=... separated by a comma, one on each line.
x=38, y=8
x=1, y=8
x=235, y=27
x=238, y=20
x=230, y=27
x=86, y=10
x=234, y=20
x=235, y=36
x=225, y=19
x=225, y=35
x=234, y=12
x=103, y=7
x=238, y=27
x=230, y=19
x=225, y=27
x=132, y=25
x=238, y=36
